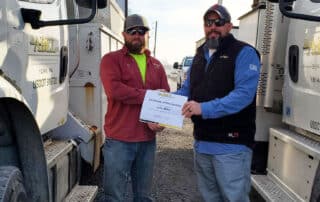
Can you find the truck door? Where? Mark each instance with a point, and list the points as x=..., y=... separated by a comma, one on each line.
x=302, y=82
x=42, y=72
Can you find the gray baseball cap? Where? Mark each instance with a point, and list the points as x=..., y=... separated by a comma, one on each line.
x=135, y=20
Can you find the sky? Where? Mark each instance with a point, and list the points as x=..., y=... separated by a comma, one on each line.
x=180, y=24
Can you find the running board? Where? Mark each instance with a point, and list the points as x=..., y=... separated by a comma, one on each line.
x=63, y=161
x=269, y=190
x=293, y=168
x=82, y=193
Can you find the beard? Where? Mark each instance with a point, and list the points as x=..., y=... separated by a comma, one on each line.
x=135, y=48
x=213, y=43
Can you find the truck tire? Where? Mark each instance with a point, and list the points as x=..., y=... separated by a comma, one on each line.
x=11, y=185
x=5, y=127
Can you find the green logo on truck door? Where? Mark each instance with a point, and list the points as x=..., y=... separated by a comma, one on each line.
x=44, y=45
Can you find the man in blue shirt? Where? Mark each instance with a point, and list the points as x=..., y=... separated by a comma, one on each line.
x=221, y=86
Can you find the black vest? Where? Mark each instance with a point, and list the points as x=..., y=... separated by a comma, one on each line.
x=216, y=82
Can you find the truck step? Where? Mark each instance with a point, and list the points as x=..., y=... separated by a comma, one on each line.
x=269, y=190
x=54, y=150
x=82, y=193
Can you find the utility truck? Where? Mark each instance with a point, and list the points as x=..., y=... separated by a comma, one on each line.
x=287, y=34
x=49, y=93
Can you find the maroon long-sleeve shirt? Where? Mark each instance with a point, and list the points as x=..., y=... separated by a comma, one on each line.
x=125, y=92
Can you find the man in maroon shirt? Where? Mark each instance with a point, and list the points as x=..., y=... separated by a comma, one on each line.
x=130, y=145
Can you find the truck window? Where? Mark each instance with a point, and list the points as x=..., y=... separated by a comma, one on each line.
x=39, y=1
x=122, y=4
x=71, y=10
x=188, y=62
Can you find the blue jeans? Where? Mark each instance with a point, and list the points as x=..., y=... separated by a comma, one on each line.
x=224, y=177
x=124, y=161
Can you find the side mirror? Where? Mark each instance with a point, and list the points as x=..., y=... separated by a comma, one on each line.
x=32, y=16
x=102, y=3
x=88, y=3
x=176, y=65
x=286, y=8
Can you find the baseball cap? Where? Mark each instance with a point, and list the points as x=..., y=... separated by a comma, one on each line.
x=135, y=20
x=220, y=10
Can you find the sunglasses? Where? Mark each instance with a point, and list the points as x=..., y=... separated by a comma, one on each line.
x=135, y=31
x=217, y=22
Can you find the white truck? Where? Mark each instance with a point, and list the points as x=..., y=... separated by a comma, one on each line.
x=288, y=114
x=49, y=92
x=182, y=69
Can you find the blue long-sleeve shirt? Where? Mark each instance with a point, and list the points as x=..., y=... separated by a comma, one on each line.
x=247, y=69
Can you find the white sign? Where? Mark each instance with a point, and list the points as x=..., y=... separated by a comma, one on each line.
x=163, y=108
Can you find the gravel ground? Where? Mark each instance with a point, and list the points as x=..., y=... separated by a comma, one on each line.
x=174, y=178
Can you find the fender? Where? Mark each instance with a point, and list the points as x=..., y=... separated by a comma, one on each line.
x=9, y=90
